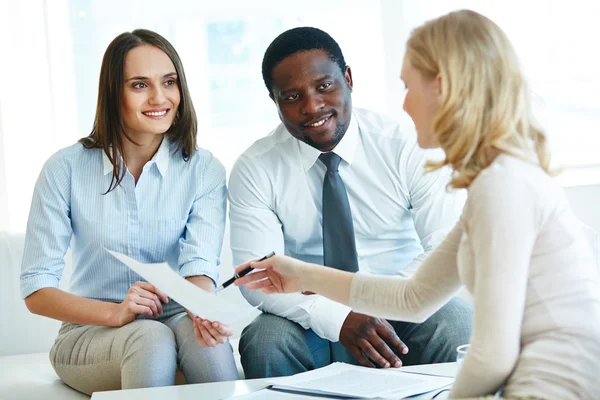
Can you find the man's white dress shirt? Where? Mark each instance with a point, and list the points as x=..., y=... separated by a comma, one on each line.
x=400, y=213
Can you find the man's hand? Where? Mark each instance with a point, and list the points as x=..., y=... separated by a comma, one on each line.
x=371, y=337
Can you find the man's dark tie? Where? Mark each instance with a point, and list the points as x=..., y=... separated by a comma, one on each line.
x=339, y=246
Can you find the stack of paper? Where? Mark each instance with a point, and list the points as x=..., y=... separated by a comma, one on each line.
x=351, y=381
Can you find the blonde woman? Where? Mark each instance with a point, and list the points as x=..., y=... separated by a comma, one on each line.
x=518, y=247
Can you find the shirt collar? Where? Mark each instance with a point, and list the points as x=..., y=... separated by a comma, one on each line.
x=346, y=148
x=160, y=158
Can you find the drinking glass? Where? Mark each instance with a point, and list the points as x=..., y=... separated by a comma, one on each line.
x=461, y=352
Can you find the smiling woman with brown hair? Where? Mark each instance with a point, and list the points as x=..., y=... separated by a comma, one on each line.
x=518, y=247
x=136, y=185
x=108, y=132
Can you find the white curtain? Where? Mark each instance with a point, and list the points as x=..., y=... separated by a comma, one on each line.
x=36, y=102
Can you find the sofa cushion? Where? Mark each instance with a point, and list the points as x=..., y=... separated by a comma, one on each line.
x=26, y=333
x=30, y=376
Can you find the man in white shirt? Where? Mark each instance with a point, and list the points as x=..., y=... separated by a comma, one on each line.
x=397, y=215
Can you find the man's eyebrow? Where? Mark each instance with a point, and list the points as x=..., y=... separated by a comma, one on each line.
x=142, y=78
x=319, y=79
x=286, y=91
x=326, y=76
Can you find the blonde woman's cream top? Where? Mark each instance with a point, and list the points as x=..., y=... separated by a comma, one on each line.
x=521, y=253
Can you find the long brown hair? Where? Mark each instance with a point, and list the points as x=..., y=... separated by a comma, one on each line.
x=108, y=130
x=485, y=108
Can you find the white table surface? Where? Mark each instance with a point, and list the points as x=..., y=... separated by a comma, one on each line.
x=226, y=390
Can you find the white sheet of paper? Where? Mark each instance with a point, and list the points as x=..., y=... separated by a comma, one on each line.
x=199, y=302
x=353, y=381
x=266, y=394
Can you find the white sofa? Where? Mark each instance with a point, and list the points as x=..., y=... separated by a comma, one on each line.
x=25, y=338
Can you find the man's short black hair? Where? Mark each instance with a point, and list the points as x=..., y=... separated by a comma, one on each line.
x=295, y=40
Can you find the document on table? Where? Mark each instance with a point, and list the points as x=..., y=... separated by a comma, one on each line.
x=200, y=302
x=347, y=380
x=266, y=394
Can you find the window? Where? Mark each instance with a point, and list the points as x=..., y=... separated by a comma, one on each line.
x=221, y=44
x=55, y=50
x=555, y=41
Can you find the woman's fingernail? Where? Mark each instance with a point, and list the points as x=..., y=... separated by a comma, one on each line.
x=398, y=364
x=215, y=324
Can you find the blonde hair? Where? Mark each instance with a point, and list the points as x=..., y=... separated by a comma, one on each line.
x=485, y=108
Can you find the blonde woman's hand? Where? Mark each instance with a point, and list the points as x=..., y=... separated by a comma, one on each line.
x=142, y=298
x=277, y=274
x=211, y=333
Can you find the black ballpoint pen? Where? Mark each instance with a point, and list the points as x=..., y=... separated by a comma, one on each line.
x=244, y=272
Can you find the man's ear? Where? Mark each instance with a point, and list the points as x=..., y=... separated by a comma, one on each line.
x=348, y=78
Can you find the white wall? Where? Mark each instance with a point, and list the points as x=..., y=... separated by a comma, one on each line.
x=585, y=201
x=3, y=187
